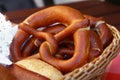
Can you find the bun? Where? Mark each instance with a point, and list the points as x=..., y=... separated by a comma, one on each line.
x=35, y=69
x=23, y=74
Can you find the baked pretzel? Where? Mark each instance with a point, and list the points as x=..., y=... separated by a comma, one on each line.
x=101, y=28
x=45, y=18
x=80, y=53
x=96, y=46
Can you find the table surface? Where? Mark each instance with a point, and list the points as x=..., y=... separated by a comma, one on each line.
x=109, y=11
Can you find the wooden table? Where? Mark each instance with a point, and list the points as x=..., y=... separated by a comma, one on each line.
x=110, y=12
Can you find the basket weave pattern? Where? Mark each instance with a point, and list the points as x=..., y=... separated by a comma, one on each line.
x=95, y=69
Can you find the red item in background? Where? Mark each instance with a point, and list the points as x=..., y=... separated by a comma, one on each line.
x=113, y=70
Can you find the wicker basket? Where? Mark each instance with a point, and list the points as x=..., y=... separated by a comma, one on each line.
x=95, y=69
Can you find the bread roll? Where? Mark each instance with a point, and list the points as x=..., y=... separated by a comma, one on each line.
x=36, y=66
x=23, y=74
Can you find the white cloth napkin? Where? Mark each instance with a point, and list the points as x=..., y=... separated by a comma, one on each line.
x=7, y=32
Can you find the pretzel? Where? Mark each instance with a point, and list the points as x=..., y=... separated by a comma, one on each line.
x=96, y=46
x=36, y=21
x=101, y=28
x=79, y=57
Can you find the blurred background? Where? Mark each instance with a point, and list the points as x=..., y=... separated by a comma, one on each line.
x=12, y=5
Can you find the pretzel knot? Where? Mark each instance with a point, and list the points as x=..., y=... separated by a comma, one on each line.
x=61, y=26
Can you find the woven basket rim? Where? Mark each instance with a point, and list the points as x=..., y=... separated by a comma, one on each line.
x=96, y=68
